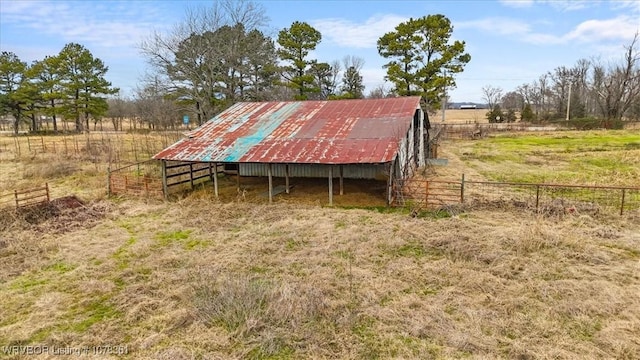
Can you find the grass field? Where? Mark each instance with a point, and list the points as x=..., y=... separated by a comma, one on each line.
x=206, y=278
x=591, y=158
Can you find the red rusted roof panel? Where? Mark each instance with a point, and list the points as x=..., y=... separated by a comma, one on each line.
x=307, y=132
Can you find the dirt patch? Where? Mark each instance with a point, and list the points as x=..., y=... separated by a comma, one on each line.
x=60, y=215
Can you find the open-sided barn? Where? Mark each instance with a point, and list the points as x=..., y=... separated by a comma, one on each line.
x=360, y=139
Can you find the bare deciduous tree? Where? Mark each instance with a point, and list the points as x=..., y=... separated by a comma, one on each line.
x=491, y=95
x=204, y=57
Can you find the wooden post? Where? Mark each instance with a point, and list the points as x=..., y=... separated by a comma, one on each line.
x=191, y=174
x=622, y=203
x=462, y=190
x=341, y=181
x=390, y=184
x=28, y=143
x=46, y=187
x=269, y=174
x=238, y=177
x=286, y=178
x=109, y=180
x=537, y=196
x=15, y=193
x=164, y=180
x=215, y=179
x=331, y=185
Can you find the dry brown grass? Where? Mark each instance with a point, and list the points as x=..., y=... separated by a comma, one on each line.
x=460, y=117
x=207, y=279
x=238, y=278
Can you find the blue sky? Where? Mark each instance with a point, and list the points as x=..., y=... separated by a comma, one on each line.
x=510, y=42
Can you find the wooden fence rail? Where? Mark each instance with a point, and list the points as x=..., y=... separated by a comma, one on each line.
x=33, y=196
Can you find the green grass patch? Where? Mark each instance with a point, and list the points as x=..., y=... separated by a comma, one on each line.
x=593, y=158
x=80, y=318
x=181, y=237
x=413, y=249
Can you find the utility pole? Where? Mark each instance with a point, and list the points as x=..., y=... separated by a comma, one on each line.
x=569, y=101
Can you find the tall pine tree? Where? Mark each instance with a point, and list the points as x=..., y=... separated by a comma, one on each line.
x=82, y=78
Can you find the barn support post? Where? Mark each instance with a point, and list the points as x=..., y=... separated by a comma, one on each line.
x=341, y=181
x=330, y=185
x=165, y=191
x=270, y=175
x=390, y=184
x=238, y=177
x=286, y=178
x=215, y=179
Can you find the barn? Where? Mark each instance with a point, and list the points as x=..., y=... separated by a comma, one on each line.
x=354, y=139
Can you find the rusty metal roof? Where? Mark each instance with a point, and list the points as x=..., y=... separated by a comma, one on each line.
x=303, y=132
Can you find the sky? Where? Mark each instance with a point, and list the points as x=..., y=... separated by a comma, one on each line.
x=511, y=42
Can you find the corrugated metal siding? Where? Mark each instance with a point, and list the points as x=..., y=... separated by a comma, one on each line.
x=303, y=132
x=350, y=171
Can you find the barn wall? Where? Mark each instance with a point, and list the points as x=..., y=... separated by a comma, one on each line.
x=351, y=171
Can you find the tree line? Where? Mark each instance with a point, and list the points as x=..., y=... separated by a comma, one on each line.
x=589, y=89
x=220, y=55
x=70, y=85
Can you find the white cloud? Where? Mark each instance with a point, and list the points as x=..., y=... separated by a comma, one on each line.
x=570, y=5
x=517, y=3
x=347, y=33
x=589, y=31
x=631, y=5
x=107, y=24
x=622, y=27
x=496, y=25
x=561, y=5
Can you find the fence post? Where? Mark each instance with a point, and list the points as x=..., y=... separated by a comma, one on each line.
x=537, y=196
x=622, y=202
x=462, y=190
x=15, y=193
x=46, y=186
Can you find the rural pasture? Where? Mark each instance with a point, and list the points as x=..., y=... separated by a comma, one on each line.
x=199, y=277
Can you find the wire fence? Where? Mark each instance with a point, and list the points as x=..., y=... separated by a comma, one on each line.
x=547, y=198
x=482, y=130
x=117, y=148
